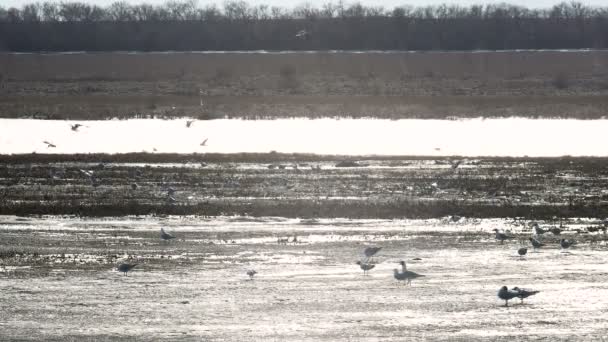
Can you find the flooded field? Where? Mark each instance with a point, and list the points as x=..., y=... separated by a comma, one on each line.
x=510, y=137
x=59, y=280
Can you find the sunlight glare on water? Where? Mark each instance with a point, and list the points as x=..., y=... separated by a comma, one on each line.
x=468, y=137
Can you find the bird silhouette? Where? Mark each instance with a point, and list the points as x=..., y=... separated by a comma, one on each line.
x=189, y=123
x=166, y=236
x=535, y=243
x=125, y=267
x=49, y=144
x=566, y=243
x=502, y=236
x=505, y=294
x=302, y=34
x=365, y=266
x=204, y=143
x=455, y=164
x=251, y=273
x=522, y=251
x=75, y=127
x=406, y=275
x=370, y=252
x=555, y=231
x=524, y=293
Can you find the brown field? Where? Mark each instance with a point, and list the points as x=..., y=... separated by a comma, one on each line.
x=254, y=85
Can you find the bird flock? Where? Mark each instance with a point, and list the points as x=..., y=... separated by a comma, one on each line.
x=76, y=128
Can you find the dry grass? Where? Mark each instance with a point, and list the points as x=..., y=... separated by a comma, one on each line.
x=396, y=85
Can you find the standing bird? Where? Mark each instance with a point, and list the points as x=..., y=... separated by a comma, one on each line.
x=502, y=236
x=49, y=144
x=537, y=229
x=75, y=127
x=522, y=251
x=505, y=294
x=189, y=123
x=134, y=186
x=124, y=267
x=365, y=266
x=407, y=275
x=555, y=231
x=523, y=293
x=566, y=243
x=535, y=243
x=166, y=236
x=251, y=273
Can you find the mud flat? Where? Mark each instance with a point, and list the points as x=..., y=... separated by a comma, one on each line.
x=59, y=281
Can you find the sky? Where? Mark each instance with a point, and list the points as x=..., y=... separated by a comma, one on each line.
x=318, y=3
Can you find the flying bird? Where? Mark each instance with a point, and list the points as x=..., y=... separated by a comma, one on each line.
x=371, y=251
x=365, y=266
x=524, y=293
x=189, y=123
x=75, y=127
x=302, y=34
x=204, y=143
x=124, y=267
x=455, y=164
x=505, y=294
x=166, y=236
x=251, y=273
x=49, y=144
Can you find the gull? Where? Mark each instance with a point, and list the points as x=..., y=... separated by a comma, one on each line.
x=170, y=191
x=522, y=251
x=566, y=243
x=204, y=143
x=75, y=127
x=524, y=293
x=502, y=236
x=302, y=34
x=365, y=266
x=166, y=236
x=189, y=123
x=49, y=144
x=505, y=294
x=535, y=243
x=371, y=251
x=407, y=275
x=555, y=231
x=251, y=273
x=124, y=267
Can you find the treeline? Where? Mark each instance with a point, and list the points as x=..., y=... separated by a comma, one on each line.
x=75, y=26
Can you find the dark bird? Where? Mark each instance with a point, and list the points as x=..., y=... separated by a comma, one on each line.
x=365, y=266
x=535, y=243
x=75, y=127
x=49, y=144
x=189, y=123
x=455, y=164
x=566, y=243
x=505, y=294
x=406, y=275
x=555, y=231
x=522, y=251
x=251, y=273
x=502, y=236
x=524, y=293
x=124, y=267
x=134, y=186
x=204, y=143
x=371, y=251
x=537, y=229
x=166, y=236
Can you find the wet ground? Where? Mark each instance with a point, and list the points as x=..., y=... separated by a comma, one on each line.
x=59, y=281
